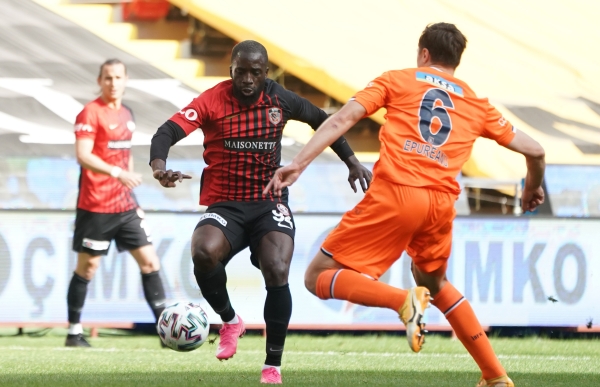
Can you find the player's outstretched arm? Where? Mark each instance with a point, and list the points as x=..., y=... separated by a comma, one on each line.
x=334, y=127
x=533, y=193
x=88, y=160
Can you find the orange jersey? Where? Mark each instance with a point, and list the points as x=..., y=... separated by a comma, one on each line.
x=432, y=121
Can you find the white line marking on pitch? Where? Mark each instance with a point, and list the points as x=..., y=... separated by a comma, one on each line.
x=319, y=353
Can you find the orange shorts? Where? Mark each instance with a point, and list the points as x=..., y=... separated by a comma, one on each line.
x=392, y=218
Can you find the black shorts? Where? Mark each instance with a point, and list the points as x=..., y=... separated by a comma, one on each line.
x=94, y=231
x=245, y=223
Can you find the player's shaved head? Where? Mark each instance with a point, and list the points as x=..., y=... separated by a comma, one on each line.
x=249, y=47
x=248, y=71
x=444, y=42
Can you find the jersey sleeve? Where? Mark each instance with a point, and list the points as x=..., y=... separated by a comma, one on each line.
x=304, y=111
x=193, y=115
x=375, y=95
x=498, y=128
x=86, y=124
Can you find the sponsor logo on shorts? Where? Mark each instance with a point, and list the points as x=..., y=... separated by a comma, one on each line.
x=119, y=144
x=212, y=215
x=275, y=115
x=283, y=219
x=249, y=144
x=95, y=245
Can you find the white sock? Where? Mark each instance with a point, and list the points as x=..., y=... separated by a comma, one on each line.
x=265, y=366
x=75, y=329
x=235, y=320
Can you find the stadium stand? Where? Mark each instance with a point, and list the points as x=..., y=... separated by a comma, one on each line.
x=48, y=70
x=548, y=95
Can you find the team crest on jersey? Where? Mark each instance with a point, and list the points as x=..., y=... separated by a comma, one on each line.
x=275, y=115
x=283, y=209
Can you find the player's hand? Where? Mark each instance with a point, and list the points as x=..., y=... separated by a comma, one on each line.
x=357, y=171
x=168, y=178
x=531, y=198
x=284, y=177
x=130, y=179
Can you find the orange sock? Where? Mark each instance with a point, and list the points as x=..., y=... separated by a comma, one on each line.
x=345, y=284
x=461, y=317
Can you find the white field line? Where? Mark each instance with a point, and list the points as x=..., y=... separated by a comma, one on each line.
x=321, y=353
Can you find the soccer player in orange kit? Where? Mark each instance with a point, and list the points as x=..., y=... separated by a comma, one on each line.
x=432, y=121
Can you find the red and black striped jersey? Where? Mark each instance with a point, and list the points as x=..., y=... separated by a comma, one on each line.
x=242, y=143
x=111, y=130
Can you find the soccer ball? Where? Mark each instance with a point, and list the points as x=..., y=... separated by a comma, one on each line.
x=183, y=326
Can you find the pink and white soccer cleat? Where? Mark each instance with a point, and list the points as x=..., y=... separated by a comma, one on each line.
x=228, y=341
x=270, y=375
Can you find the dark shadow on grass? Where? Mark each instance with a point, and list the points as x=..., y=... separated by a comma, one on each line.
x=296, y=378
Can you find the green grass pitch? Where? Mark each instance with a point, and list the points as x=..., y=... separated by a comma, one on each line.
x=335, y=360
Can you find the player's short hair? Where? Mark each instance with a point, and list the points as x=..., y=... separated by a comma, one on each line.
x=110, y=62
x=249, y=47
x=444, y=42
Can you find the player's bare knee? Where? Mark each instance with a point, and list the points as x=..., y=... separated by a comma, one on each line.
x=276, y=273
x=319, y=264
x=149, y=266
x=205, y=256
x=310, y=282
x=87, y=269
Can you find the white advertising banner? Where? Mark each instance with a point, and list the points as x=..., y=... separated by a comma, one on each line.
x=515, y=272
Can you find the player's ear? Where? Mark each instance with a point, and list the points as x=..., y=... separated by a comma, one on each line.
x=426, y=55
x=230, y=72
x=267, y=71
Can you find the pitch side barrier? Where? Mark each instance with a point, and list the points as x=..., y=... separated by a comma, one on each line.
x=516, y=272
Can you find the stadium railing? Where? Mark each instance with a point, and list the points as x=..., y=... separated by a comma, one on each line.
x=509, y=186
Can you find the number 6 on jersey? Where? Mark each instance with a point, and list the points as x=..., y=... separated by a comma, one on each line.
x=428, y=111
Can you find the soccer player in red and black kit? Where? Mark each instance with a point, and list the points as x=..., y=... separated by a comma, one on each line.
x=106, y=206
x=243, y=120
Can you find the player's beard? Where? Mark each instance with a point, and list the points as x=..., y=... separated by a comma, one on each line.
x=246, y=99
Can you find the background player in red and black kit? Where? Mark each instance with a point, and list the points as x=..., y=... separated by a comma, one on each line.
x=106, y=206
x=242, y=120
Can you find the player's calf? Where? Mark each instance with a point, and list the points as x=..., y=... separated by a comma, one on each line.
x=154, y=292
